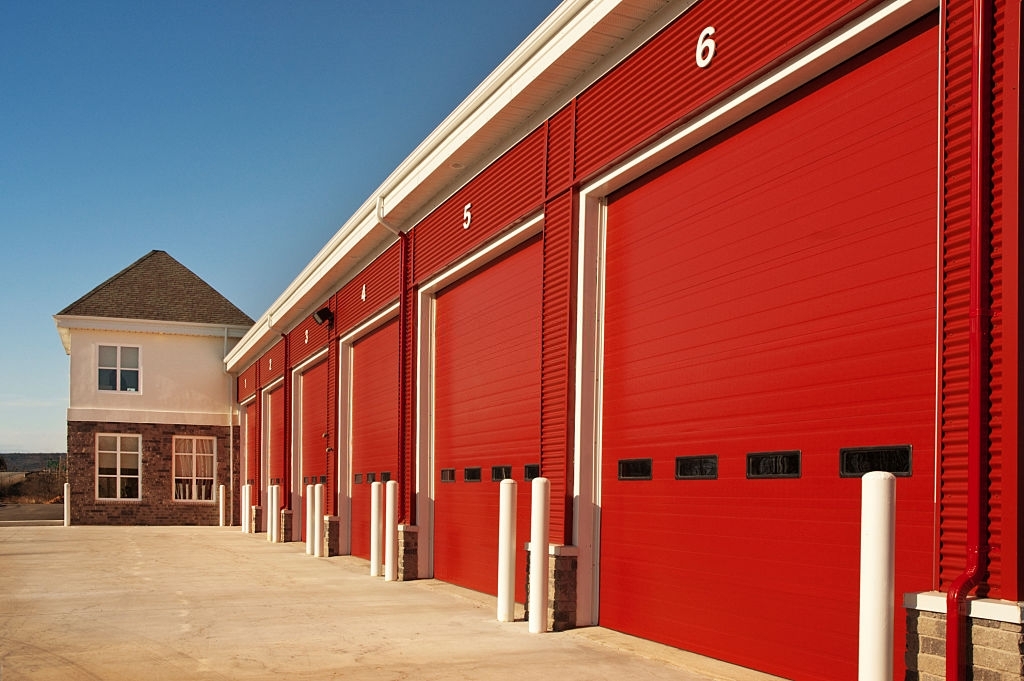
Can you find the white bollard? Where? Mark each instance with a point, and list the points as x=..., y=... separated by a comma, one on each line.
x=877, y=576
x=67, y=504
x=376, y=525
x=507, y=551
x=245, y=509
x=391, y=532
x=275, y=514
x=318, y=520
x=309, y=520
x=222, y=497
x=540, y=503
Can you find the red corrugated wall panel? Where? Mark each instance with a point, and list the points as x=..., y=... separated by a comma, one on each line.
x=274, y=452
x=507, y=190
x=559, y=169
x=253, y=474
x=248, y=382
x=955, y=290
x=661, y=83
x=374, y=419
x=307, y=339
x=487, y=412
x=383, y=283
x=557, y=377
x=272, y=364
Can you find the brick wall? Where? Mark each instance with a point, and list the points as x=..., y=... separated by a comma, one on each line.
x=995, y=649
x=157, y=506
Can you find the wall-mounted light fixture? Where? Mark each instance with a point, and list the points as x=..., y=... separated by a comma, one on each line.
x=322, y=315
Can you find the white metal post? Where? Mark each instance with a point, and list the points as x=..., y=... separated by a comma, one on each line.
x=309, y=520
x=318, y=520
x=274, y=513
x=245, y=509
x=222, y=497
x=376, y=525
x=67, y=504
x=877, y=576
x=507, y=551
x=391, y=532
x=540, y=503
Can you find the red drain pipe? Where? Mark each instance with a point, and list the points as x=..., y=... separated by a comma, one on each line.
x=979, y=344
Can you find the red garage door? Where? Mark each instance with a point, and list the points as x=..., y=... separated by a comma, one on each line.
x=374, y=422
x=771, y=300
x=487, y=414
x=314, y=426
x=273, y=449
x=252, y=460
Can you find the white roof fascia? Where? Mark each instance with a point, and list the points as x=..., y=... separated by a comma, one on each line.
x=66, y=323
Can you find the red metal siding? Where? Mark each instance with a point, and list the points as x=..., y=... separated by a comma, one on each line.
x=383, y=284
x=558, y=380
x=272, y=364
x=774, y=289
x=955, y=291
x=307, y=339
x=561, y=126
x=507, y=190
x=374, y=419
x=486, y=411
x=315, y=424
x=248, y=382
x=661, y=83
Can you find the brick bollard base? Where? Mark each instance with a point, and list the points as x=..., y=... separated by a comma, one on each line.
x=408, y=555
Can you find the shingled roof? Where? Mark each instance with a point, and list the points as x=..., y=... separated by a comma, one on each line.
x=157, y=287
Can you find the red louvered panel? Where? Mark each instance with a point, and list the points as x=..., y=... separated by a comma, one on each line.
x=557, y=377
x=773, y=290
x=252, y=450
x=486, y=412
x=374, y=419
x=955, y=292
x=661, y=83
x=314, y=425
x=560, y=147
x=407, y=393
x=272, y=364
x=331, y=491
x=307, y=339
x=507, y=190
x=248, y=382
x=274, y=449
x=383, y=282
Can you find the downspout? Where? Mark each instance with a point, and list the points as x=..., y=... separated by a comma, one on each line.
x=979, y=347
x=405, y=514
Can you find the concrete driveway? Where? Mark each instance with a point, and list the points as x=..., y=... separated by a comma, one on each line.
x=212, y=603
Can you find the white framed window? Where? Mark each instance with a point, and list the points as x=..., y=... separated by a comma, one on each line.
x=118, y=466
x=119, y=368
x=195, y=460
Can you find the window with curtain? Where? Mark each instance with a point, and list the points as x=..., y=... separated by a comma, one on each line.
x=118, y=469
x=194, y=465
x=118, y=368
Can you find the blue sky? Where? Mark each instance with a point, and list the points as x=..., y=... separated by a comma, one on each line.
x=235, y=135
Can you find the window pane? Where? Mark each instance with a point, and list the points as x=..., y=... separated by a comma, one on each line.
x=129, y=488
x=129, y=464
x=130, y=380
x=108, y=464
x=183, y=466
x=183, y=489
x=108, y=356
x=204, y=490
x=204, y=466
x=108, y=379
x=204, y=446
x=107, y=443
x=107, y=488
x=182, y=445
x=129, y=358
x=130, y=443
